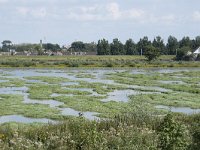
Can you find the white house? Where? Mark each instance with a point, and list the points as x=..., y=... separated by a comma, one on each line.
x=197, y=51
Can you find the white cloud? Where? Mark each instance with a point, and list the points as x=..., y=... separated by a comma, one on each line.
x=101, y=12
x=113, y=10
x=135, y=13
x=33, y=12
x=39, y=12
x=109, y=11
x=168, y=19
x=196, y=16
x=23, y=10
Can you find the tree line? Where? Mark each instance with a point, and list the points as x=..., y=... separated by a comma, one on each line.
x=132, y=48
x=116, y=47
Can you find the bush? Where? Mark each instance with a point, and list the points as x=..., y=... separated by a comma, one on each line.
x=182, y=54
x=151, y=53
x=172, y=135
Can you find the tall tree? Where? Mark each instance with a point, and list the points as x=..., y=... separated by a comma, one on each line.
x=24, y=47
x=185, y=42
x=159, y=44
x=6, y=45
x=52, y=47
x=197, y=42
x=130, y=47
x=91, y=47
x=142, y=44
x=79, y=45
x=117, y=48
x=172, y=45
x=103, y=47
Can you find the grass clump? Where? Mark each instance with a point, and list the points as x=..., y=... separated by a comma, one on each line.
x=13, y=105
x=122, y=132
x=49, y=80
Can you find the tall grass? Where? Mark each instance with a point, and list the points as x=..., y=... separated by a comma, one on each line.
x=90, y=61
x=122, y=132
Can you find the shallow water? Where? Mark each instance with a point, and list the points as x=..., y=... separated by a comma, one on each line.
x=172, y=82
x=22, y=119
x=64, y=111
x=51, y=103
x=69, y=83
x=1, y=81
x=152, y=88
x=185, y=110
x=72, y=112
x=100, y=77
x=123, y=95
x=13, y=90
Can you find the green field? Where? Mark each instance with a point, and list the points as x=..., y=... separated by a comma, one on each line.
x=90, y=61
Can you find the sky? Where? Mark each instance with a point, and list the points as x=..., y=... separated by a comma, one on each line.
x=65, y=21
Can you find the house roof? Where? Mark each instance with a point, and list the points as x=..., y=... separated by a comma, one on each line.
x=197, y=51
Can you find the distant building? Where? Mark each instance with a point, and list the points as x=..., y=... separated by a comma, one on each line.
x=4, y=53
x=196, y=52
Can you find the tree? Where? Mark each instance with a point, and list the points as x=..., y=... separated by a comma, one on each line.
x=196, y=43
x=142, y=44
x=130, y=47
x=79, y=45
x=103, y=47
x=52, y=47
x=91, y=47
x=182, y=53
x=185, y=42
x=159, y=43
x=117, y=48
x=172, y=45
x=39, y=49
x=151, y=53
x=6, y=45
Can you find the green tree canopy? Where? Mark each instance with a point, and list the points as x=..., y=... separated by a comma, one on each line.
x=151, y=52
x=172, y=45
x=103, y=47
x=130, y=47
x=25, y=47
x=182, y=53
x=117, y=48
x=79, y=45
x=159, y=43
x=185, y=42
x=52, y=47
x=6, y=45
x=91, y=47
x=142, y=44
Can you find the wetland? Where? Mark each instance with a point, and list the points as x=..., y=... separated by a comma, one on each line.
x=56, y=94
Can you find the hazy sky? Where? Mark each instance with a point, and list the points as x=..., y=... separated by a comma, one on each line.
x=64, y=21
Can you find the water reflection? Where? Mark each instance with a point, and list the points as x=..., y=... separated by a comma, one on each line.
x=22, y=119
x=185, y=110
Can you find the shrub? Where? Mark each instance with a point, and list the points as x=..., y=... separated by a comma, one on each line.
x=151, y=53
x=172, y=135
x=183, y=54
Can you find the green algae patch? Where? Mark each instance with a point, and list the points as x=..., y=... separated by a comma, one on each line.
x=177, y=99
x=12, y=82
x=49, y=80
x=13, y=105
x=93, y=104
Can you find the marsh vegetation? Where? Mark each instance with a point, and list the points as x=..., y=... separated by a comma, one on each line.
x=92, y=108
